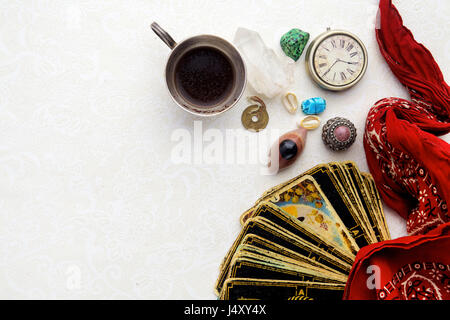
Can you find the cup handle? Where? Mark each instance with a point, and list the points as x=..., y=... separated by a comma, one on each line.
x=163, y=35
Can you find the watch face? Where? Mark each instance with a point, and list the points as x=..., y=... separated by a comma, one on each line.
x=339, y=60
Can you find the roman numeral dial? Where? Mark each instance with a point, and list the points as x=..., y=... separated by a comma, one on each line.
x=339, y=59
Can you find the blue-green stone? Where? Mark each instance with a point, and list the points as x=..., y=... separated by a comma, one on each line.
x=314, y=105
x=294, y=42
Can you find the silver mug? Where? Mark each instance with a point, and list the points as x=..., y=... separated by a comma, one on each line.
x=180, y=49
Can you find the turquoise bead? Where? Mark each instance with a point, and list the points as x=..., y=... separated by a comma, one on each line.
x=314, y=105
x=294, y=42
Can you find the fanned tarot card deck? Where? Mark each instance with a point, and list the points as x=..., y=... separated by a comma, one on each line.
x=299, y=240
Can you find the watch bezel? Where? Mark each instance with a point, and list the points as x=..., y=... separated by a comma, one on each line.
x=310, y=53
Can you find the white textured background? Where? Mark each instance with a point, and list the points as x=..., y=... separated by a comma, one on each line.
x=90, y=204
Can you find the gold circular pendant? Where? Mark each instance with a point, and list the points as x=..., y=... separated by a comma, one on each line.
x=255, y=118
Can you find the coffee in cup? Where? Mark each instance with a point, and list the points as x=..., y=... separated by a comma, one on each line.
x=205, y=74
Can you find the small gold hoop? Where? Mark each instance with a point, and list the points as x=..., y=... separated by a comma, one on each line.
x=290, y=102
x=310, y=122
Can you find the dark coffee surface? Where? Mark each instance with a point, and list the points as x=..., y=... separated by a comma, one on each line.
x=204, y=76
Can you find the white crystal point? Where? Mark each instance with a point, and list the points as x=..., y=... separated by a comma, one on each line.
x=268, y=75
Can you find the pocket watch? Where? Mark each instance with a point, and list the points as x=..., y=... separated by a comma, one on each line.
x=336, y=60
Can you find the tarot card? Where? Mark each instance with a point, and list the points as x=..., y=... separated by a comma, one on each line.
x=265, y=229
x=261, y=255
x=376, y=199
x=372, y=199
x=358, y=194
x=344, y=178
x=257, y=254
x=251, y=289
x=268, y=193
x=339, y=200
x=304, y=200
x=249, y=268
x=280, y=218
x=292, y=241
x=356, y=178
x=275, y=251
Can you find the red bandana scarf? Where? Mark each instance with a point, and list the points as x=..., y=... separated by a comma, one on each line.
x=411, y=167
x=409, y=268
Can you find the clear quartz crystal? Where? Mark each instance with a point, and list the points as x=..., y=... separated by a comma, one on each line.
x=268, y=74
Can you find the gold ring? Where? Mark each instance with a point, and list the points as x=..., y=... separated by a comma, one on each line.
x=290, y=102
x=310, y=122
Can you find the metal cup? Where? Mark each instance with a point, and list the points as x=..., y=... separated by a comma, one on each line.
x=180, y=49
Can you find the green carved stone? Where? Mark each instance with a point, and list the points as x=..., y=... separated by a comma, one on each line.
x=294, y=42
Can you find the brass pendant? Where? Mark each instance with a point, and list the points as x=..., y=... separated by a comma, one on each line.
x=255, y=117
x=338, y=134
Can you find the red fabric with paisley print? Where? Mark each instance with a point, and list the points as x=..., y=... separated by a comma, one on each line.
x=410, y=164
x=411, y=167
x=409, y=268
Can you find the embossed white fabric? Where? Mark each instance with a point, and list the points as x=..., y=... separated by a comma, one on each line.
x=91, y=204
